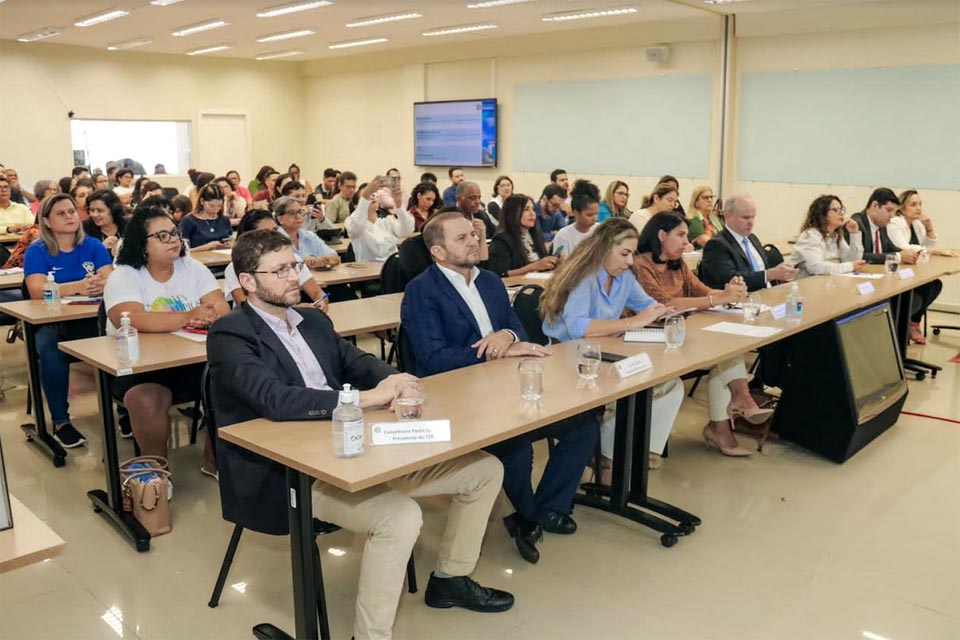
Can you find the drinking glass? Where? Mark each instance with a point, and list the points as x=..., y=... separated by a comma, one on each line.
x=674, y=331
x=924, y=257
x=531, y=378
x=588, y=360
x=408, y=401
x=751, y=307
x=891, y=262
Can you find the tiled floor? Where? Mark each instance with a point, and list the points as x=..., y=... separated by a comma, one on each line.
x=792, y=547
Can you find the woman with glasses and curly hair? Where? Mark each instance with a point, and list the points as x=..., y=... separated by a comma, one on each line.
x=822, y=247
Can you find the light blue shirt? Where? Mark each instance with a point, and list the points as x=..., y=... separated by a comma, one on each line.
x=311, y=246
x=589, y=301
x=291, y=338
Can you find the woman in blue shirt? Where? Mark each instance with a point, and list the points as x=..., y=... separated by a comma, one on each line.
x=207, y=228
x=586, y=298
x=80, y=265
x=306, y=245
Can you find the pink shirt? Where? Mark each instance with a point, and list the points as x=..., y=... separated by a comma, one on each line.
x=297, y=347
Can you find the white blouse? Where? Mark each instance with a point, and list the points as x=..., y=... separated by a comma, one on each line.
x=899, y=234
x=376, y=240
x=814, y=256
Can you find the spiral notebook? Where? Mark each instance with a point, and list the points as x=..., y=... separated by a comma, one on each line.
x=647, y=334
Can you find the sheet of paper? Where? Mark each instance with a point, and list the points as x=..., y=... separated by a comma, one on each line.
x=539, y=275
x=225, y=252
x=196, y=337
x=411, y=432
x=11, y=271
x=748, y=330
x=865, y=276
x=736, y=309
x=80, y=299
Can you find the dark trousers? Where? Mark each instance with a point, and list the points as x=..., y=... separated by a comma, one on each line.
x=923, y=297
x=577, y=439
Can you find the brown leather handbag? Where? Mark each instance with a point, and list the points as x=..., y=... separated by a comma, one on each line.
x=145, y=493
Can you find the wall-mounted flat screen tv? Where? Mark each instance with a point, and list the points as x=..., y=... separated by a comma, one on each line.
x=455, y=133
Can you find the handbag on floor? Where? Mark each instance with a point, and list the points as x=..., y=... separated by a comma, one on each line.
x=146, y=482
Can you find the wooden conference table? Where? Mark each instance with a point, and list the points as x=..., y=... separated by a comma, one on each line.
x=463, y=396
x=34, y=315
x=11, y=280
x=166, y=351
x=30, y=540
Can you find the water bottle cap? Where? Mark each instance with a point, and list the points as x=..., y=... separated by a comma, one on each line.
x=349, y=395
x=49, y=276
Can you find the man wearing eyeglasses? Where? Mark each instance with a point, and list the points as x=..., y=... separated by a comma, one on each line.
x=736, y=251
x=271, y=360
x=14, y=216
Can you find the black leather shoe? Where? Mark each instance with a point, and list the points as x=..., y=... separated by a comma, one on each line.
x=556, y=522
x=526, y=534
x=463, y=591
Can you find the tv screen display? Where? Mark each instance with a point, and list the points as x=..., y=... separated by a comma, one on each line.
x=872, y=355
x=457, y=133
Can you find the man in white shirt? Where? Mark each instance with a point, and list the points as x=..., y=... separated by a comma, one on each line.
x=14, y=216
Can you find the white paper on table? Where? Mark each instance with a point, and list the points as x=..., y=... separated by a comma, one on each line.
x=225, y=252
x=410, y=432
x=539, y=275
x=196, y=337
x=865, y=276
x=80, y=299
x=749, y=330
x=735, y=309
x=11, y=271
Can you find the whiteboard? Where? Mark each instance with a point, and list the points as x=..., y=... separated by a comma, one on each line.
x=866, y=127
x=644, y=126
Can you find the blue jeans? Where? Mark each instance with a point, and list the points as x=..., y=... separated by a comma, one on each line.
x=54, y=373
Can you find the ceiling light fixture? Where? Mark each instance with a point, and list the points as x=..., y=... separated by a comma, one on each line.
x=42, y=34
x=287, y=35
x=211, y=49
x=464, y=28
x=583, y=15
x=494, y=3
x=355, y=43
x=284, y=9
x=392, y=17
x=164, y=3
x=106, y=16
x=280, y=54
x=129, y=44
x=200, y=26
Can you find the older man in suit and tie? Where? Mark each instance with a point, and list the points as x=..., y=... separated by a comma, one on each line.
x=736, y=251
x=457, y=315
x=271, y=359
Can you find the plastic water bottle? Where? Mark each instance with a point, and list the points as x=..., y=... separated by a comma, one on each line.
x=128, y=342
x=794, y=305
x=51, y=293
x=348, y=430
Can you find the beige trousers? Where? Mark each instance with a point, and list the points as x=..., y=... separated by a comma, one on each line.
x=391, y=519
x=718, y=395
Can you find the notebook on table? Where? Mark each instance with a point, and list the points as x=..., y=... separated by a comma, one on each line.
x=646, y=334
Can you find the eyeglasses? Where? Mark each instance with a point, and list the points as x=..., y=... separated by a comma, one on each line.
x=165, y=236
x=621, y=193
x=840, y=210
x=284, y=271
x=298, y=213
x=708, y=197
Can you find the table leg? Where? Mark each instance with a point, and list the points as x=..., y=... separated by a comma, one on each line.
x=36, y=432
x=901, y=306
x=109, y=503
x=630, y=468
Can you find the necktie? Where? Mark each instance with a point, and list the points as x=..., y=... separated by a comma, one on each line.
x=877, y=247
x=746, y=249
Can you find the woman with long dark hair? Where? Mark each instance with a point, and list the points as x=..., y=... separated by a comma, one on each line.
x=518, y=247
x=107, y=218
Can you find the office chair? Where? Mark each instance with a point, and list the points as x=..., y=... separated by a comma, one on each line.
x=526, y=304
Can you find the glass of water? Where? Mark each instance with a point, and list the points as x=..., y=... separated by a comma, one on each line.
x=408, y=401
x=751, y=307
x=891, y=262
x=531, y=378
x=674, y=331
x=588, y=360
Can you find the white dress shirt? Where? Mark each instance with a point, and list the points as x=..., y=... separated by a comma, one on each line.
x=376, y=240
x=297, y=347
x=470, y=295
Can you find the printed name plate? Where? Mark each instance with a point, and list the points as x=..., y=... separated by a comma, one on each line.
x=865, y=288
x=412, y=432
x=905, y=273
x=633, y=365
x=779, y=312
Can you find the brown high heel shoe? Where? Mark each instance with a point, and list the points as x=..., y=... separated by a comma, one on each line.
x=712, y=443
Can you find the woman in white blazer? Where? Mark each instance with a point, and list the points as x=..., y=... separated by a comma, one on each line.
x=821, y=248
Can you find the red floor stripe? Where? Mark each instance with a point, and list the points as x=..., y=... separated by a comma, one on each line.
x=924, y=415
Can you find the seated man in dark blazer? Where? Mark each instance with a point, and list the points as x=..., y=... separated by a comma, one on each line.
x=273, y=360
x=873, y=220
x=457, y=315
x=736, y=251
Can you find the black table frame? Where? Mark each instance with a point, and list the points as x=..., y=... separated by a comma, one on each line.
x=37, y=432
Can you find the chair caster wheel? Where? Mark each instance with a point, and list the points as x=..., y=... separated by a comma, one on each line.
x=933, y=375
x=921, y=376
x=59, y=461
x=97, y=509
x=668, y=539
x=936, y=332
x=687, y=528
x=143, y=545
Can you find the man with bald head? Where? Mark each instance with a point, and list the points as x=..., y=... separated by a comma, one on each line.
x=468, y=200
x=736, y=251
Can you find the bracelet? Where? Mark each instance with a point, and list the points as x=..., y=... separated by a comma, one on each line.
x=710, y=298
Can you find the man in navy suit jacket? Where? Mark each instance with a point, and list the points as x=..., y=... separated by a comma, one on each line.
x=457, y=315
